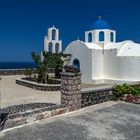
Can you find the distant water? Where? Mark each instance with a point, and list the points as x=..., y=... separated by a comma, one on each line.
x=17, y=65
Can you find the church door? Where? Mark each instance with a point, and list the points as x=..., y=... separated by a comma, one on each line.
x=76, y=63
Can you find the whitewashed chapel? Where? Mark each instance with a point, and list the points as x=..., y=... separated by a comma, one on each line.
x=102, y=59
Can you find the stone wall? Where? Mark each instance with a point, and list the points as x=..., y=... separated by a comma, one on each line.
x=12, y=72
x=20, y=71
x=38, y=86
x=71, y=90
x=91, y=97
x=34, y=117
x=75, y=98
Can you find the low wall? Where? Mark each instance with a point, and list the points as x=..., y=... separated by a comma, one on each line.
x=95, y=96
x=75, y=98
x=38, y=86
x=12, y=72
x=19, y=71
x=34, y=117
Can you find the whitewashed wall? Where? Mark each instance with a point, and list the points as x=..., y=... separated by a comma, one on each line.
x=120, y=68
x=97, y=66
x=104, y=67
x=95, y=35
x=84, y=55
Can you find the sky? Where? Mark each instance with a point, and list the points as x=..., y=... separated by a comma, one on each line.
x=24, y=23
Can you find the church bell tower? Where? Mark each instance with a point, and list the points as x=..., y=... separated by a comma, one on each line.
x=52, y=43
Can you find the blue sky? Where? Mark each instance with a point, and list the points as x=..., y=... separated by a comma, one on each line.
x=24, y=23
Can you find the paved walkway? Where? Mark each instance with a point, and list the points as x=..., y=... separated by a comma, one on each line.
x=13, y=94
x=89, y=86
x=107, y=121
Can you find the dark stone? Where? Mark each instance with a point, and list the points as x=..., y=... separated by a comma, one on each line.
x=71, y=68
x=38, y=87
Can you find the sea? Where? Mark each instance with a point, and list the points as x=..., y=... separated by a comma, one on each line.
x=17, y=65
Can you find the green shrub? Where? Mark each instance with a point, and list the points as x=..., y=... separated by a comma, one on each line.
x=119, y=90
x=138, y=89
x=44, y=62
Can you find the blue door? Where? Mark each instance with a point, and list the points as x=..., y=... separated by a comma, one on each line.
x=76, y=63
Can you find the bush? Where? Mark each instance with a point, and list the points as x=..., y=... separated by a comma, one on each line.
x=29, y=72
x=46, y=61
x=119, y=90
x=138, y=89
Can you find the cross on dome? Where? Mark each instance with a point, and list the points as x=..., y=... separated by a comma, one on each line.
x=99, y=17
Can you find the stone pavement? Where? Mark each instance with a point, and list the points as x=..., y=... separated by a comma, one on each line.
x=13, y=94
x=106, y=121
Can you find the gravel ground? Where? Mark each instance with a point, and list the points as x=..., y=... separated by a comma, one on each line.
x=106, y=121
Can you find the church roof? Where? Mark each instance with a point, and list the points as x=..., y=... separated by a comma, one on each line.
x=129, y=49
x=125, y=48
x=93, y=46
x=100, y=24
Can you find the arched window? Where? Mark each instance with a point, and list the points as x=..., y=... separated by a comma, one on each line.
x=90, y=37
x=53, y=34
x=57, y=47
x=101, y=36
x=50, y=47
x=111, y=37
x=76, y=63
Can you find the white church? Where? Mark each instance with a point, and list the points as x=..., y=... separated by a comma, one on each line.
x=103, y=60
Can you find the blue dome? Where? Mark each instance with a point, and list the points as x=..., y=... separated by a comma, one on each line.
x=100, y=24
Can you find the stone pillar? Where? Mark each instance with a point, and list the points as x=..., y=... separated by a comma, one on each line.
x=71, y=90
